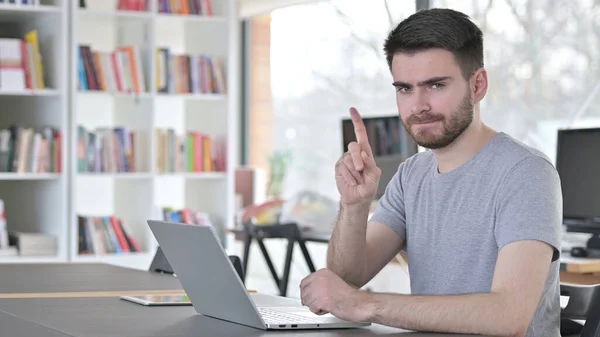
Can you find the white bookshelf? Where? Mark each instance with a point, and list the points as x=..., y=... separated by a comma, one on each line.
x=38, y=202
x=135, y=197
x=24, y=13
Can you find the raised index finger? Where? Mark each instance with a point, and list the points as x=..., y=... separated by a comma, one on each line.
x=360, y=131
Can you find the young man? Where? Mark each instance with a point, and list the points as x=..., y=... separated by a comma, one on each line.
x=479, y=215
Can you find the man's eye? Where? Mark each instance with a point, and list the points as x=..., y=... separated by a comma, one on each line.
x=401, y=89
x=437, y=85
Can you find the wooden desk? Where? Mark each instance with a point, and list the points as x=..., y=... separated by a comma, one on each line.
x=81, y=280
x=579, y=270
x=101, y=317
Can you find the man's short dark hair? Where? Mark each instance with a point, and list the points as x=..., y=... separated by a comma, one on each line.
x=438, y=28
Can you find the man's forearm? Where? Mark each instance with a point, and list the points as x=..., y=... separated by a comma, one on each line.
x=346, y=252
x=486, y=313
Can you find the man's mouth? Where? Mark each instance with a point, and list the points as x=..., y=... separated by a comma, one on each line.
x=426, y=121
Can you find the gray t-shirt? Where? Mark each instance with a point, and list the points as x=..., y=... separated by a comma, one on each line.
x=454, y=224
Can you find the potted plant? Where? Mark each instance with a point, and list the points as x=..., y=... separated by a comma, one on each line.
x=279, y=162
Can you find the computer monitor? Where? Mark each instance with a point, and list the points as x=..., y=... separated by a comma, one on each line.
x=389, y=141
x=578, y=165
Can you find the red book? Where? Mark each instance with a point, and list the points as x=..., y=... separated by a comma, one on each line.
x=120, y=235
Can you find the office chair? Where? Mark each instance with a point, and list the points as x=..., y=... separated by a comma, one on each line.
x=584, y=304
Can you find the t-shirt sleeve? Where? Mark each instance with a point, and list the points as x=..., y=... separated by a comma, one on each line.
x=390, y=208
x=529, y=205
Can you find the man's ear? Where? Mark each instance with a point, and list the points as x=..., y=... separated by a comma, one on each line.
x=479, y=84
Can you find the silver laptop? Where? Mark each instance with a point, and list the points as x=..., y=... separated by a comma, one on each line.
x=215, y=289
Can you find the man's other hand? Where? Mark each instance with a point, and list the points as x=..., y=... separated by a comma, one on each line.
x=325, y=292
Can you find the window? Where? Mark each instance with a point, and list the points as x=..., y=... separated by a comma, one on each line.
x=542, y=57
x=326, y=57
x=543, y=63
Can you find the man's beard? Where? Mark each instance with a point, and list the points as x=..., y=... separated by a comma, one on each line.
x=453, y=127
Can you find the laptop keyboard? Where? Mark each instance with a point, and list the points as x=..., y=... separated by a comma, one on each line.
x=278, y=317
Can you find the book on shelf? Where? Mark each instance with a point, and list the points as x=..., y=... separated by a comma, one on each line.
x=3, y=229
x=30, y=150
x=21, y=63
x=20, y=2
x=189, y=74
x=186, y=7
x=133, y=5
x=33, y=244
x=98, y=235
x=186, y=215
x=193, y=152
x=108, y=150
x=123, y=5
x=120, y=70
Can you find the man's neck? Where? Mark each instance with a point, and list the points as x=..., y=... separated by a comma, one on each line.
x=467, y=145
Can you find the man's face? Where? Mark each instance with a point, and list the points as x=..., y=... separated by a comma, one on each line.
x=433, y=98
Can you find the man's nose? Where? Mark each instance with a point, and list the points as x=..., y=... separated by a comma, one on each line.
x=420, y=102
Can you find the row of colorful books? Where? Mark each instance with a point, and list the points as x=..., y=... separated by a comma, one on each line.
x=133, y=5
x=116, y=149
x=19, y=3
x=107, y=149
x=123, y=70
x=30, y=150
x=183, y=73
x=110, y=234
x=105, y=235
x=186, y=7
x=186, y=215
x=120, y=70
x=193, y=151
x=182, y=7
x=123, y=5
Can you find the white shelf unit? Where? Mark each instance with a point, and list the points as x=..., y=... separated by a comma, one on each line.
x=135, y=197
x=38, y=202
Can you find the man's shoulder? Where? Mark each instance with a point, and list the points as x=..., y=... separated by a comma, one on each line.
x=504, y=155
x=510, y=153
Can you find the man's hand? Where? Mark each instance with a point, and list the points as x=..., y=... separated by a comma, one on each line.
x=356, y=173
x=324, y=292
